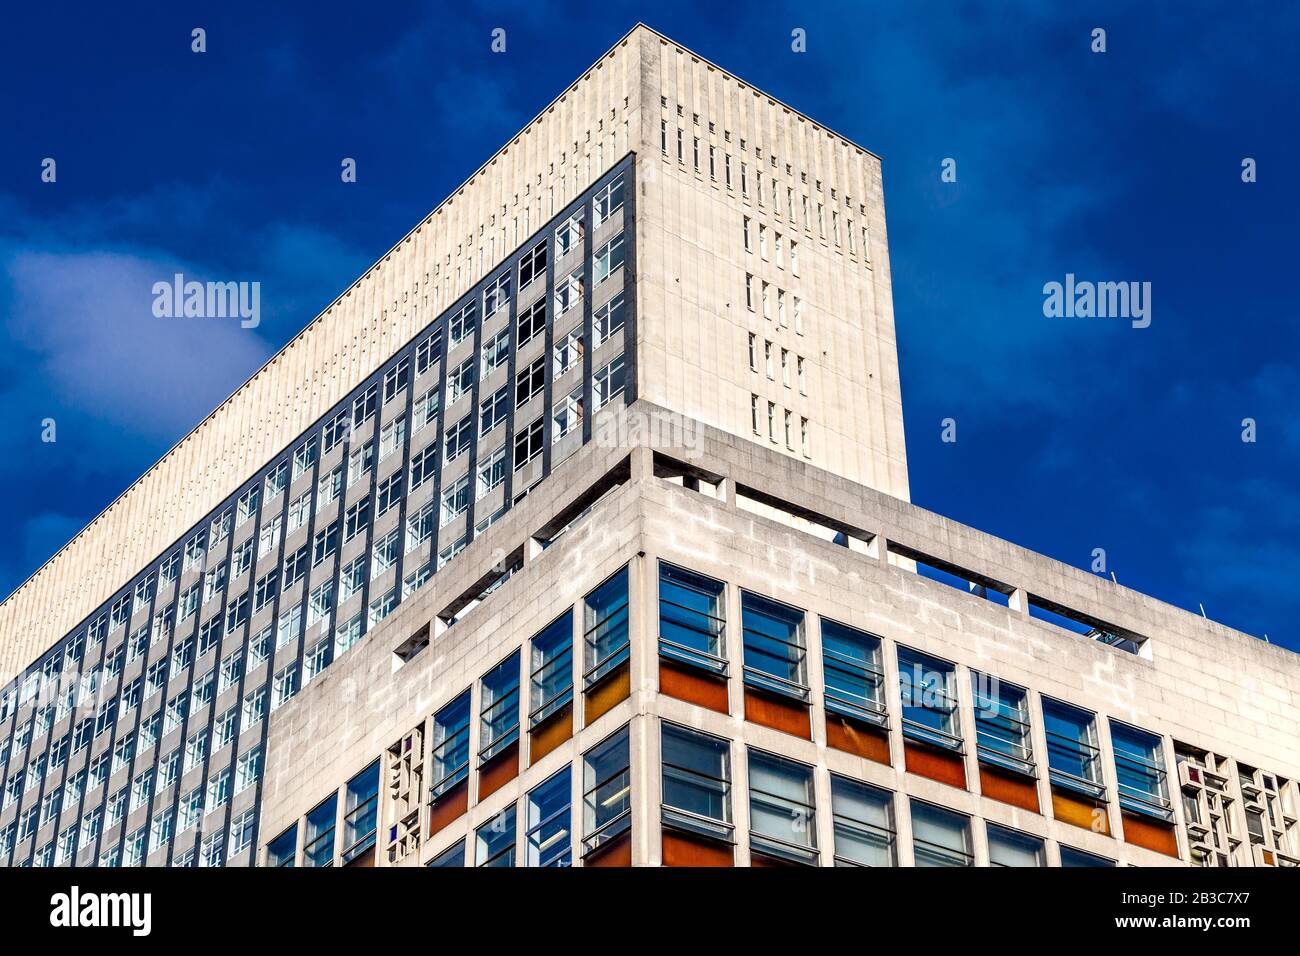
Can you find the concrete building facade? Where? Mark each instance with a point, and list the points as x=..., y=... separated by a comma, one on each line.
x=577, y=533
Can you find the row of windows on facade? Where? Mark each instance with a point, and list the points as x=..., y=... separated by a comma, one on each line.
x=780, y=422
x=775, y=642
x=608, y=383
x=788, y=202
x=695, y=799
x=692, y=631
x=606, y=644
x=787, y=361
x=481, y=249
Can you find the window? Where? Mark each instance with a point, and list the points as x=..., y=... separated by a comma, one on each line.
x=461, y=325
x=325, y=544
x=609, y=258
x=499, y=693
x=532, y=265
x=929, y=700
x=241, y=833
x=335, y=433
x=425, y=410
x=855, y=681
x=285, y=686
x=392, y=437
x=390, y=493
x=218, y=790
x=363, y=406
x=607, y=202
x=1073, y=858
x=549, y=832
x=491, y=472
x=249, y=770
x=606, y=791
x=455, y=500
x=454, y=855
x=493, y=410
x=423, y=466
x=605, y=627
x=459, y=438
x=318, y=846
x=696, y=782
x=528, y=443
x=1073, y=757
x=450, y=745
x=531, y=321
x=782, y=814
x=552, y=669
x=940, y=837
x=569, y=234
x=530, y=381
x=496, y=296
x=568, y=352
x=283, y=849
x=494, y=841
x=1002, y=724
x=692, y=619
x=1140, y=769
x=607, y=384
x=774, y=646
x=864, y=824
x=361, y=803
x=496, y=353
x=360, y=462
x=357, y=519
x=460, y=381
x=304, y=458
x=1012, y=848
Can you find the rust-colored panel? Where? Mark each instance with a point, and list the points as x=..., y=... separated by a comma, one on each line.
x=786, y=716
x=550, y=733
x=682, y=849
x=857, y=738
x=1009, y=788
x=448, y=807
x=498, y=771
x=934, y=763
x=1149, y=833
x=758, y=859
x=617, y=852
x=1080, y=811
x=613, y=688
x=363, y=859
x=693, y=686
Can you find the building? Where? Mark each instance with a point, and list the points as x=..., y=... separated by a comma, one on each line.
x=577, y=532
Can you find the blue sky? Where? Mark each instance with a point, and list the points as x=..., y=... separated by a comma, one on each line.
x=1073, y=434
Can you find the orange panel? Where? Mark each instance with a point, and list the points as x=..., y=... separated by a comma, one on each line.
x=617, y=852
x=681, y=849
x=857, y=738
x=613, y=688
x=448, y=807
x=693, y=686
x=1009, y=788
x=1149, y=833
x=934, y=763
x=778, y=713
x=1080, y=811
x=498, y=771
x=550, y=733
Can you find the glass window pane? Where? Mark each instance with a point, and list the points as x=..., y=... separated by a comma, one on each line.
x=940, y=837
x=605, y=626
x=854, y=681
x=607, y=790
x=691, y=617
x=781, y=805
x=864, y=824
x=774, y=645
x=495, y=840
x=549, y=828
x=696, y=773
x=552, y=668
x=929, y=699
x=1010, y=848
